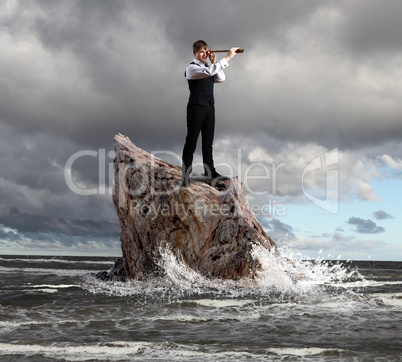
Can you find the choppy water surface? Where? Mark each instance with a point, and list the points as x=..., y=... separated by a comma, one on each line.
x=53, y=309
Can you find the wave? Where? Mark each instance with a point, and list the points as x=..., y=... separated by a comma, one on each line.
x=207, y=318
x=278, y=275
x=54, y=286
x=17, y=324
x=392, y=300
x=47, y=259
x=44, y=271
x=48, y=288
x=126, y=351
x=304, y=352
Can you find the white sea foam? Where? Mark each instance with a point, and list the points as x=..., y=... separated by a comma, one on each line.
x=123, y=351
x=47, y=290
x=302, y=352
x=178, y=279
x=101, y=352
x=126, y=351
x=221, y=303
x=288, y=272
x=16, y=324
x=55, y=286
x=208, y=317
x=394, y=300
x=277, y=274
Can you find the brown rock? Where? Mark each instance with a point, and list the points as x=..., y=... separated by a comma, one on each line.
x=211, y=227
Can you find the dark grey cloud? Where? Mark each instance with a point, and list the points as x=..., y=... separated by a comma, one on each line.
x=57, y=244
x=101, y=38
x=77, y=72
x=35, y=199
x=372, y=28
x=97, y=82
x=31, y=223
x=123, y=63
x=365, y=226
x=382, y=215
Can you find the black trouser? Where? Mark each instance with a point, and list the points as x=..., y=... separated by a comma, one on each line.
x=199, y=119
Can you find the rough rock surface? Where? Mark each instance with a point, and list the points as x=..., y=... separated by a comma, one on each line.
x=210, y=227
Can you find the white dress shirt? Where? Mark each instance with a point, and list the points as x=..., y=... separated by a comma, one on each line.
x=194, y=71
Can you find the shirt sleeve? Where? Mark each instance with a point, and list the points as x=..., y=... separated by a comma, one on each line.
x=215, y=70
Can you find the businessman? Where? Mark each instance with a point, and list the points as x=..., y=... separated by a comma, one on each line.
x=201, y=78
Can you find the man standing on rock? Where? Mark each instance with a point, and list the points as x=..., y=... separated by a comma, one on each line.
x=201, y=107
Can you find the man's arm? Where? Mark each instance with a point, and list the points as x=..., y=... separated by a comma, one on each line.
x=194, y=71
x=214, y=70
x=220, y=77
x=231, y=53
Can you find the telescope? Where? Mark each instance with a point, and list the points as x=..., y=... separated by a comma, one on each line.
x=227, y=51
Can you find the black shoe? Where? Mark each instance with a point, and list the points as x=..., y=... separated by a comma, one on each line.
x=210, y=172
x=217, y=177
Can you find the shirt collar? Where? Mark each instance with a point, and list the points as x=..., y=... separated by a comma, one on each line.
x=199, y=62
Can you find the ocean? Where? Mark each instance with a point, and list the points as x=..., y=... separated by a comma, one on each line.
x=54, y=309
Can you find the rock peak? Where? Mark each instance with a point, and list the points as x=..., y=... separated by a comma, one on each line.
x=210, y=227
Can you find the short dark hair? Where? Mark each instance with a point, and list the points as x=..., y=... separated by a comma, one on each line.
x=199, y=44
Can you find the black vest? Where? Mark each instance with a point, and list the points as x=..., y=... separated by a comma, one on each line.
x=201, y=90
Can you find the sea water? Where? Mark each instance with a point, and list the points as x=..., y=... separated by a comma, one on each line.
x=54, y=309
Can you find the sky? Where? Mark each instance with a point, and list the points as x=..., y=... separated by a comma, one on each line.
x=309, y=117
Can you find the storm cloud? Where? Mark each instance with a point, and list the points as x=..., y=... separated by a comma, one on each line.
x=315, y=76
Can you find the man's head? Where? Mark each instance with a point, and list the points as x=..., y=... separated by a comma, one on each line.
x=201, y=50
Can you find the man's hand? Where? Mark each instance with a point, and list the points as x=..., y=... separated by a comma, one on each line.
x=231, y=54
x=212, y=57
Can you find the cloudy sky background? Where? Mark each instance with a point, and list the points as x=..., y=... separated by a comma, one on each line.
x=315, y=100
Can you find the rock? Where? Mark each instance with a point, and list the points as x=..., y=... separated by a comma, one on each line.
x=211, y=228
x=117, y=273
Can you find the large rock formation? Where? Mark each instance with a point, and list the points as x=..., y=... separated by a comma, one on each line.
x=210, y=227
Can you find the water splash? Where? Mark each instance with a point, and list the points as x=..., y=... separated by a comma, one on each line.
x=288, y=275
